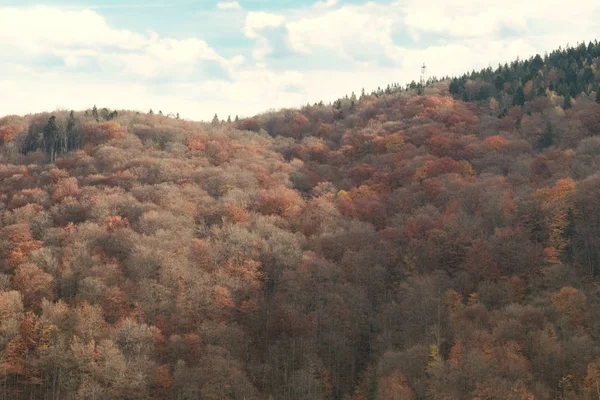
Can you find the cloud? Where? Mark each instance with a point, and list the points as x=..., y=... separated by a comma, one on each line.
x=469, y=19
x=258, y=21
x=249, y=92
x=325, y=4
x=351, y=31
x=228, y=5
x=257, y=26
x=79, y=36
x=323, y=49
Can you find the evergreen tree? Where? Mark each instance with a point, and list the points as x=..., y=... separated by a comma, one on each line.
x=71, y=142
x=160, y=112
x=547, y=138
x=105, y=114
x=519, y=97
x=50, y=137
x=453, y=88
x=95, y=113
x=177, y=116
x=215, y=120
x=150, y=112
x=229, y=118
x=567, y=103
x=569, y=234
x=537, y=63
x=237, y=119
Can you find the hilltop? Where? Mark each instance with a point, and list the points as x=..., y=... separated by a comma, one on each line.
x=435, y=242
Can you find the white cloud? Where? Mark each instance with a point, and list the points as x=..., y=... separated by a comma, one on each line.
x=349, y=30
x=80, y=35
x=257, y=21
x=325, y=4
x=228, y=5
x=250, y=92
x=470, y=18
x=452, y=40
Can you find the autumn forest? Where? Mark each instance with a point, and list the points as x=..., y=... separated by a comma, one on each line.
x=422, y=241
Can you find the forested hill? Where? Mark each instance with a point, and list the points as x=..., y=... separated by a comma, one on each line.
x=406, y=244
x=567, y=73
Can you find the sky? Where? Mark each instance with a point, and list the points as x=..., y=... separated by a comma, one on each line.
x=202, y=57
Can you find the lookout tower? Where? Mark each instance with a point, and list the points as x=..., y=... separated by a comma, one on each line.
x=423, y=75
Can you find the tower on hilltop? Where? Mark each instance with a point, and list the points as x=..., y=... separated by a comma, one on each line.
x=423, y=75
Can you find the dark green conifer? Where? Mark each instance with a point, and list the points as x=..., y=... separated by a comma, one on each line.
x=519, y=97
x=50, y=137
x=547, y=138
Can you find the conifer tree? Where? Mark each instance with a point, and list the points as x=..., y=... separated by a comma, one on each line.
x=95, y=113
x=547, y=138
x=567, y=103
x=50, y=136
x=70, y=134
x=519, y=97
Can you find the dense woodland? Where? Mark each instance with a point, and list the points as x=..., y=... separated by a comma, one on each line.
x=438, y=242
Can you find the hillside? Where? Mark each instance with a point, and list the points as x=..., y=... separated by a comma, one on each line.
x=438, y=242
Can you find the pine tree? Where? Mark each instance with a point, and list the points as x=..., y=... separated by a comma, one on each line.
x=454, y=86
x=177, y=116
x=237, y=119
x=71, y=142
x=229, y=118
x=215, y=120
x=567, y=103
x=50, y=136
x=519, y=97
x=569, y=234
x=95, y=113
x=537, y=63
x=547, y=138
x=150, y=112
